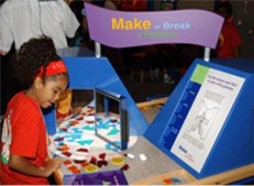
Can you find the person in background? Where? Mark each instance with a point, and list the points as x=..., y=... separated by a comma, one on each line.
x=26, y=19
x=22, y=20
x=134, y=5
x=111, y=4
x=81, y=38
x=69, y=1
x=24, y=139
x=229, y=40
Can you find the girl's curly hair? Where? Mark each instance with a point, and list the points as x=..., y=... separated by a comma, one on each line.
x=32, y=55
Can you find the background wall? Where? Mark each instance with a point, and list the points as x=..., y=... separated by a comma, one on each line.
x=243, y=17
x=190, y=4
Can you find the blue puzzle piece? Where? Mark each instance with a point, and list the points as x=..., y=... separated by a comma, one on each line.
x=113, y=132
x=104, y=125
x=176, y=180
x=89, y=128
x=111, y=147
x=76, y=136
x=77, y=130
x=60, y=144
x=71, y=140
x=85, y=142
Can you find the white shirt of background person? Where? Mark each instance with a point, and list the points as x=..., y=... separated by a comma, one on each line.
x=22, y=20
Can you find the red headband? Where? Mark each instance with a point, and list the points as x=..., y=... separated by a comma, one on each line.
x=54, y=67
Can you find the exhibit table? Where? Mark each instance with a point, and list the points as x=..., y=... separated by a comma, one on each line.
x=155, y=168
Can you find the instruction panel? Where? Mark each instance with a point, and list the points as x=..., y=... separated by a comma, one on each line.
x=216, y=93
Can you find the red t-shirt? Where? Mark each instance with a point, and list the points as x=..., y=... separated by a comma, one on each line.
x=24, y=134
x=134, y=5
x=229, y=39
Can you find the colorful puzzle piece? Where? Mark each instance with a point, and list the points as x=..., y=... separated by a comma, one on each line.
x=113, y=132
x=125, y=167
x=74, y=169
x=91, y=168
x=168, y=181
x=85, y=142
x=118, y=160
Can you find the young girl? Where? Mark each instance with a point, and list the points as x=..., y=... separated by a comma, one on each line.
x=24, y=140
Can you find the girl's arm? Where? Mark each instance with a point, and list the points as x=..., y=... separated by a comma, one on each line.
x=21, y=164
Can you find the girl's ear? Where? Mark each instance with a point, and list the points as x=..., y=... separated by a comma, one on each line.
x=38, y=83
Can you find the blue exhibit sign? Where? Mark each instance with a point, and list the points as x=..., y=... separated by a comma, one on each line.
x=209, y=125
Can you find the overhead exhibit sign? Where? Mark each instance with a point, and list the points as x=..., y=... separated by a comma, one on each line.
x=121, y=29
